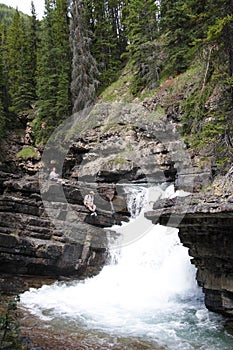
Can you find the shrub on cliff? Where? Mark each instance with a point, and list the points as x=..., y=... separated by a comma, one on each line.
x=9, y=327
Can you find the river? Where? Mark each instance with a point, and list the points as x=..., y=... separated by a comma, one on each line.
x=146, y=295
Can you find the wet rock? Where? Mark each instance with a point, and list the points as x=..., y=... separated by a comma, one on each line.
x=205, y=223
x=55, y=239
x=45, y=228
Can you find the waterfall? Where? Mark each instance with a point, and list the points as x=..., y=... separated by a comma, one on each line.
x=139, y=200
x=136, y=199
x=151, y=292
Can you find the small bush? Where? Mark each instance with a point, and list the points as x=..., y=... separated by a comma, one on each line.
x=9, y=327
x=27, y=153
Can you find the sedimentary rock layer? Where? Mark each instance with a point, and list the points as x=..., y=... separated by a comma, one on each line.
x=205, y=223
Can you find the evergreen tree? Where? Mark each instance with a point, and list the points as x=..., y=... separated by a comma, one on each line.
x=2, y=104
x=209, y=36
x=6, y=14
x=20, y=66
x=141, y=22
x=218, y=34
x=84, y=67
x=46, y=67
x=54, y=66
x=4, y=98
x=177, y=28
x=62, y=35
x=32, y=38
x=109, y=40
x=15, y=40
x=186, y=25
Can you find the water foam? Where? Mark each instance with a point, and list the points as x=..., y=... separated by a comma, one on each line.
x=150, y=292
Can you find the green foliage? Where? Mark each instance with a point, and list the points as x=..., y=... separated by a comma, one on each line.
x=108, y=40
x=37, y=69
x=98, y=40
x=207, y=123
x=141, y=22
x=203, y=31
x=9, y=328
x=84, y=66
x=54, y=67
x=194, y=111
x=217, y=28
x=27, y=153
x=120, y=90
x=43, y=80
x=177, y=28
x=2, y=99
x=6, y=14
x=188, y=26
x=216, y=133
x=20, y=65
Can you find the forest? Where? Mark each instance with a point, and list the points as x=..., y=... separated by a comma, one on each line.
x=54, y=67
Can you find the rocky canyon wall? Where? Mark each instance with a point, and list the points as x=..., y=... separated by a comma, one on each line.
x=45, y=229
x=205, y=222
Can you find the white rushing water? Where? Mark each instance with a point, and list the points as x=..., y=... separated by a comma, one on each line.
x=150, y=292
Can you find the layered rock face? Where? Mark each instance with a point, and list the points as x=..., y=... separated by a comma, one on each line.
x=131, y=143
x=45, y=229
x=34, y=241
x=205, y=223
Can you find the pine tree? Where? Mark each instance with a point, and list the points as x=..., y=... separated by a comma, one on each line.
x=32, y=39
x=46, y=67
x=218, y=32
x=62, y=35
x=54, y=67
x=20, y=66
x=187, y=25
x=84, y=67
x=177, y=28
x=109, y=40
x=2, y=104
x=15, y=37
x=141, y=22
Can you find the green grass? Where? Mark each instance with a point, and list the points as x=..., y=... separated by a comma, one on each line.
x=119, y=91
x=27, y=153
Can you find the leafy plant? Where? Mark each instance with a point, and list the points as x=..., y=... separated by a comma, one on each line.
x=9, y=327
x=27, y=153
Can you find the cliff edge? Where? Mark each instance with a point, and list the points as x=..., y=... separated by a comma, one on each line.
x=205, y=222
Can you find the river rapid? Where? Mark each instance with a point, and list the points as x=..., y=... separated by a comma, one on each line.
x=145, y=298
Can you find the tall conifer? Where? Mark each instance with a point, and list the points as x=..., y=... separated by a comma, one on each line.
x=84, y=66
x=54, y=66
x=141, y=22
x=176, y=27
x=109, y=40
x=32, y=39
x=2, y=100
x=20, y=65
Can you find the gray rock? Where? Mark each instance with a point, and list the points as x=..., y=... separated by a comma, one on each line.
x=205, y=223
